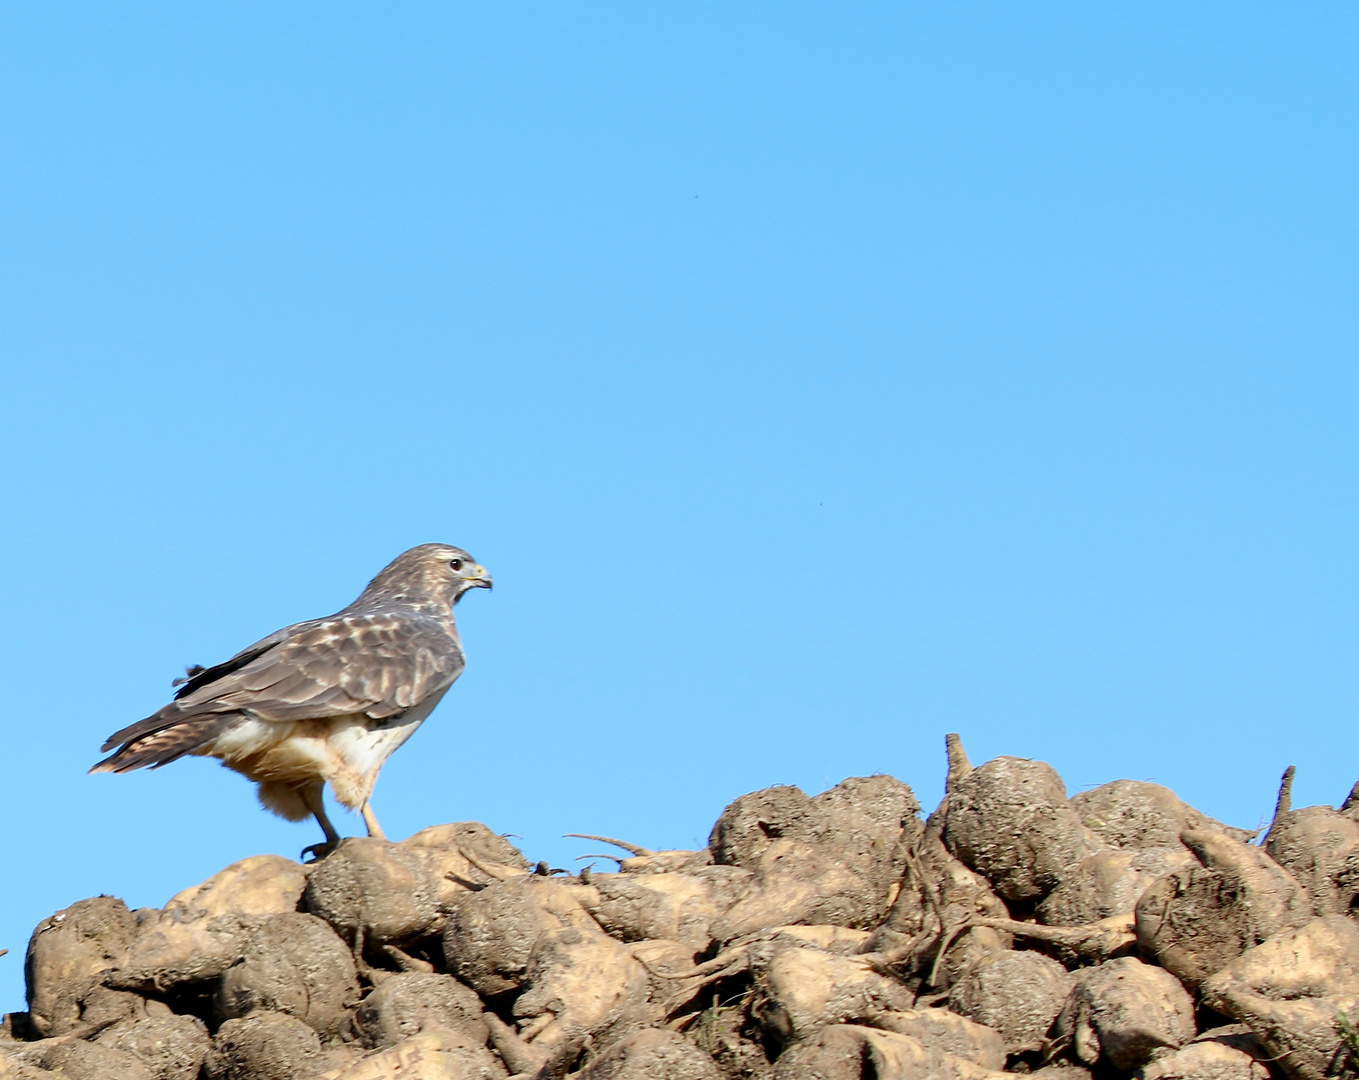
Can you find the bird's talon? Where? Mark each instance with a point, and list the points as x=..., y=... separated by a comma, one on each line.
x=319, y=851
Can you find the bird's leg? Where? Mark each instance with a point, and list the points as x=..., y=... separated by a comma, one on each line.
x=313, y=796
x=370, y=819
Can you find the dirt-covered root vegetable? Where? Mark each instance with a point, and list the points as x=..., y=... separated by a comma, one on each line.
x=836, y=940
x=292, y=964
x=259, y=885
x=67, y=955
x=411, y=1002
x=1204, y=1061
x=1296, y=991
x=13, y=1066
x=198, y=934
x=1010, y=821
x=1109, y=883
x=169, y=952
x=1018, y=994
x=833, y=859
x=936, y=890
x=580, y=985
x=170, y=1047
x=651, y=1054
x=531, y=934
x=754, y=821
x=640, y=907
x=472, y=838
x=840, y=1052
x=76, y=1060
x=799, y=990
x=1139, y=814
x=1320, y=848
x=431, y=1055
x=1123, y=1013
x=102, y=1008
x=945, y=1031
x=799, y=882
x=264, y=1046
x=854, y=1052
x=756, y=951
x=864, y=822
x=877, y=818
x=1132, y=814
x=962, y=951
x=376, y=890
x=930, y=934
x=725, y=884
x=665, y=963
x=465, y=855
x=1107, y=939
x=1238, y=1037
x=490, y=935
x=1197, y=920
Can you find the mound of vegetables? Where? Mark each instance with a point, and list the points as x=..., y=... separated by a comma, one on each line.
x=1117, y=933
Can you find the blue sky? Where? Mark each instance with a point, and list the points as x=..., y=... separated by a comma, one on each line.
x=815, y=379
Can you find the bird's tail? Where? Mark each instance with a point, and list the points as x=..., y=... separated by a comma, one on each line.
x=161, y=746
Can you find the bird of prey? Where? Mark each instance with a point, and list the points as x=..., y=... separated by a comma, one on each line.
x=326, y=700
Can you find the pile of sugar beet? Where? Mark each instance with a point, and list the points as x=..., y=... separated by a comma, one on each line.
x=1118, y=933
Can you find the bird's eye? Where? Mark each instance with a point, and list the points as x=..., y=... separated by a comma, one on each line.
x=456, y=564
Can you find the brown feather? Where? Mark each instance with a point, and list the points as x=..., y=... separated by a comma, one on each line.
x=164, y=746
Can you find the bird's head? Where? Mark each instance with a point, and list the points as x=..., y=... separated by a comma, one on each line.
x=464, y=572
x=430, y=572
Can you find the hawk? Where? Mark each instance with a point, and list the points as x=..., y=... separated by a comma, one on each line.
x=323, y=701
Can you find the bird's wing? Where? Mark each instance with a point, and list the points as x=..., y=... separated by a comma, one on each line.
x=380, y=664
x=375, y=663
x=203, y=676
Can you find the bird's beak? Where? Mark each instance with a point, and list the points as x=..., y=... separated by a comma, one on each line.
x=479, y=578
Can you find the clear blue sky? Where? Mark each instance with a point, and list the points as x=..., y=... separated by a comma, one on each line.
x=815, y=379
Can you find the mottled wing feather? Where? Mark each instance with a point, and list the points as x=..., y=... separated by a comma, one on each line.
x=376, y=663
x=226, y=667
x=380, y=664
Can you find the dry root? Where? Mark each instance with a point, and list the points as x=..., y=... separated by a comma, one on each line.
x=631, y=849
